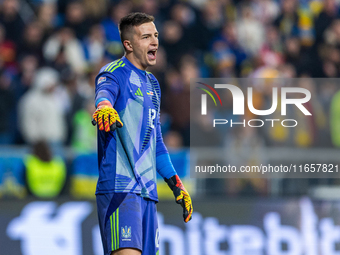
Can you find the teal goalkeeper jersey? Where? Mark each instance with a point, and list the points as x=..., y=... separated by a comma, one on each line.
x=127, y=156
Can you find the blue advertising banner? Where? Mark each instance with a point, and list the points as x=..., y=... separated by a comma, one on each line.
x=219, y=227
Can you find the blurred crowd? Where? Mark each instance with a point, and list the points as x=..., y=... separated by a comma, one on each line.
x=51, y=51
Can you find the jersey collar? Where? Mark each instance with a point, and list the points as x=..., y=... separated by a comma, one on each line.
x=132, y=66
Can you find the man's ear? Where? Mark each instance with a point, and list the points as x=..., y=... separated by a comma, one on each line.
x=127, y=45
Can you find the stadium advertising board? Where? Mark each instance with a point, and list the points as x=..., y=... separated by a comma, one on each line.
x=252, y=227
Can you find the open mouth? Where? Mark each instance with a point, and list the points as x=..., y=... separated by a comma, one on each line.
x=152, y=54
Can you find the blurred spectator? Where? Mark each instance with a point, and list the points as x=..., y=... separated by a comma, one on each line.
x=305, y=25
x=11, y=20
x=326, y=17
x=63, y=48
x=150, y=7
x=223, y=60
x=172, y=41
x=23, y=81
x=173, y=140
x=304, y=63
x=330, y=51
x=95, y=10
x=188, y=19
x=40, y=112
x=287, y=71
x=47, y=17
x=228, y=37
x=265, y=10
x=72, y=98
x=179, y=92
x=45, y=173
x=113, y=44
x=7, y=106
x=246, y=147
x=87, y=88
x=250, y=32
x=272, y=49
x=75, y=19
x=32, y=41
x=211, y=22
x=292, y=52
x=84, y=138
x=288, y=19
x=184, y=15
x=94, y=45
x=335, y=119
x=7, y=50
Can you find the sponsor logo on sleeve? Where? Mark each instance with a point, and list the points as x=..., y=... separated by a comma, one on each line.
x=101, y=79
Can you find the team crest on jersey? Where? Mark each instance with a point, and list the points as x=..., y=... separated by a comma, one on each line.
x=126, y=233
x=150, y=93
x=101, y=79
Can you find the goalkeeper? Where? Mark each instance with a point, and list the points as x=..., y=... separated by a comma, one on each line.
x=130, y=145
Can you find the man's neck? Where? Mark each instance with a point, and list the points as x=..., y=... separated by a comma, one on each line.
x=134, y=61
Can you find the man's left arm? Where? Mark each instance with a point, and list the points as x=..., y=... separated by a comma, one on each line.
x=167, y=171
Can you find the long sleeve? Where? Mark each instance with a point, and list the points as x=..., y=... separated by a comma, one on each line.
x=107, y=88
x=163, y=162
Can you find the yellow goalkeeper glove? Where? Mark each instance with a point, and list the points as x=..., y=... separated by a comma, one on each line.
x=182, y=197
x=106, y=117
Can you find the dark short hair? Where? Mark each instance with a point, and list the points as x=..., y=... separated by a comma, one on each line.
x=132, y=20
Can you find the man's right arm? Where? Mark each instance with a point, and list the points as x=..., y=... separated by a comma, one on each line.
x=107, y=90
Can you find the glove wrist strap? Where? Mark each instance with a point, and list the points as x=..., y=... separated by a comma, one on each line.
x=173, y=182
x=103, y=104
